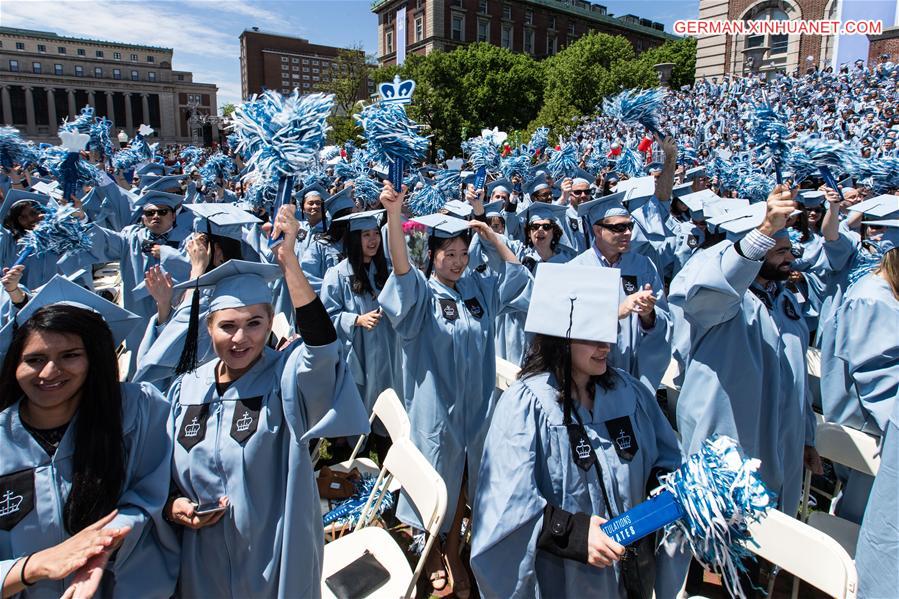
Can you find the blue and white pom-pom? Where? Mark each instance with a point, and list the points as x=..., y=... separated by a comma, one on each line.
x=630, y=163
x=366, y=190
x=349, y=511
x=539, y=140
x=425, y=200
x=482, y=154
x=720, y=494
x=217, y=166
x=59, y=231
x=82, y=122
x=563, y=162
x=390, y=134
x=190, y=156
x=754, y=186
x=770, y=133
x=449, y=183
x=515, y=166
x=14, y=149
x=637, y=107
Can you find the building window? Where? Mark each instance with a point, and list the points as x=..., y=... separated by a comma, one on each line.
x=388, y=42
x=457, y=3
x=305, y=86
x=316, y=79
x=297, y=69
x=99, y=53
x=117, y=56
x=570, y=29
x=20, y=46
x=295, y=60
x=306, y=69
x=79, y=71
x=314, y=62
x=285, y=59
x=551, y=44
x=483, y=7
x=180, y=77
x=135, y=76
x=777, y=43
x=150, y=59
x=306, y=77
x=285, y=82
x=295, y=76
x=57, y=69
x=98, y=72
x=507, y=12
x=14, y=66
x=305, y=61
x=529, y=17
x=60, y=49
x=483, y=30
x=552, y=23
x=36, y=67
x=151, y=76
x=315, y=71
x=41, y=48
x=284, y=67
x=134, y=58
x=117, y=73
x=529, y=41
x=506, y=41
x=458, y=28
x=419, y=29
x=81, y=52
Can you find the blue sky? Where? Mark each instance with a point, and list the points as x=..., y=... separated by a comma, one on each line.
x=204, y=33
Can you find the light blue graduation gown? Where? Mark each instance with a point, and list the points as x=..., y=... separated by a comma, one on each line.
x=146, y=564
x=642, y=353
x=251, y=444
x=652, y=237
x=449, y=364
x=746, y=373
x=877, y=551
x=860, y=377
x=373, y=356
x=38, y=269
x=318, y=257
x=528, y=463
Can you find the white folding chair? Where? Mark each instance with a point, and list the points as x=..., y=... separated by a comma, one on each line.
x=853, y=449
x=806, y=553
x=390, y=411
x=426, y=491
x=506, y=373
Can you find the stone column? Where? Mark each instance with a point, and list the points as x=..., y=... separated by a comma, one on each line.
x=51, y=111
x=7, y=105
x=91, y=98
x=73, y=110
x=145, y=107
x=129, y=119
x=110, y=108
x=168, y=118
x=30, y=126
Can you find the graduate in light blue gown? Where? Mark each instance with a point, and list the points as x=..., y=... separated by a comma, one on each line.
x=877, y=551
x=241, y=426
x=643, y=348
x=86, y=465
x=21, y=212
x=745, y=375
x=350, y=295
x=445, y=320
x=310, y=216
x=650, y=209
x=326, y=249
x=137, y=248
x=552, y=456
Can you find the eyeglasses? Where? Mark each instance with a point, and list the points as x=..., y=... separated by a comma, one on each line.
x=580, y=192
x=544, y=226
x=617, y=228
x=160, y=211
x=543, y=194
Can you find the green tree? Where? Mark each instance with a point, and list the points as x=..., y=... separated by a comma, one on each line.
x=228, y=110
x=681, y=52
x=349, y=86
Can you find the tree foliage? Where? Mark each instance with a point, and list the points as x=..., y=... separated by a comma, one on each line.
x=349, y=86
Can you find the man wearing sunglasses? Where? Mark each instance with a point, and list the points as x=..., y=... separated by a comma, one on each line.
x=643, y=348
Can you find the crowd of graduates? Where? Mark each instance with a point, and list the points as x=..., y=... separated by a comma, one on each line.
x=160, y=434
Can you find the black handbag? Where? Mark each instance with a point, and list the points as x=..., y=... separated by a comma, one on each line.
x=359, y=578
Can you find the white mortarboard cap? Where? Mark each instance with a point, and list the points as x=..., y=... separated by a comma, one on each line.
x=362, y=221
x=741, y=220
x=695, y=172
x=59, y=290
x=236, y=283
x=458, y=208
x=443, y=225
x=880, y=206
x=576, y=301
x=641, y=187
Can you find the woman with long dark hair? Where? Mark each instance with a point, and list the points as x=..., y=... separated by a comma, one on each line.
x=350, y=295
x=326, y=249
x=85, y=471
x=573, y=443
x=445, y=318
x=244, y=493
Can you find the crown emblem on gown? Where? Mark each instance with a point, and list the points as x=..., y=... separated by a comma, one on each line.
x=10, y=503
x=397, y=91
x=583, y=449
x=244, y=423
x=623, y=440
x=192, y=429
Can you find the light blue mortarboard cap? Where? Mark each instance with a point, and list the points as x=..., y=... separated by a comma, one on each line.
x=458, y=208
x=443, y=226
x=494, y=208
x=502, y=184
x=341, y=200
x=236, y=283
x=882, y=206
x=890, y=238
x=167, y=183
x=363, y=221
x=17, y=196
x=159, y=198
x=225, y=220
x=546, y=211
x=604, y=207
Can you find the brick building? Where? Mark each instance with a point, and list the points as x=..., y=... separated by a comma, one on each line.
x=282, y=63
x=45, y=77
x=537, y=27
x=718, y=55
x=885, y=44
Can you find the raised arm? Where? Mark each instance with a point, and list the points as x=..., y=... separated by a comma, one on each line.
x=393, y=203
x=665, y=181
x=301, y=292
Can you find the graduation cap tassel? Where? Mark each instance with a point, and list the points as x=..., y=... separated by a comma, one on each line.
x=187, y=362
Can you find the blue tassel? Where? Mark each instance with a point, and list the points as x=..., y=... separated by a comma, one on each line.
x=58, y=232
x=564, y=162
x=637, y=107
